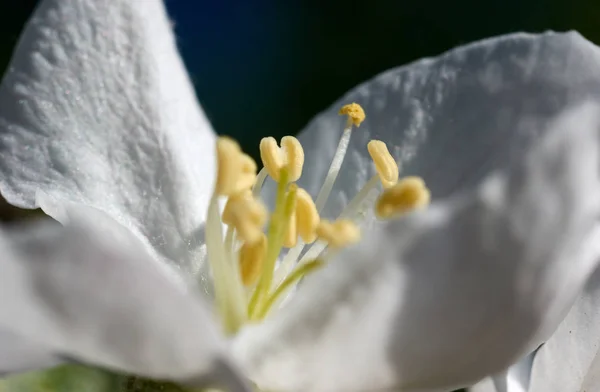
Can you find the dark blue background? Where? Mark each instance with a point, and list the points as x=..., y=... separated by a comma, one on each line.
x=284, y=61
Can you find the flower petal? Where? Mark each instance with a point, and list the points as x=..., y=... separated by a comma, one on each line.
x=445, y=297
x=569, y=361
x=97, y=108
x=454, y=118
x=66, y=378
x=515, y=379
x=91, y=293
x=19, y=355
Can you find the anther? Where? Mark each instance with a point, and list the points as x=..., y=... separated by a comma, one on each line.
x=386, y=166
x=339, y=233
x=304, y=220
x=354, y=112
x=246, y=214
x=294, y=154
x=251, y=260
x=409, y=194
x=290, y=155
x=307, y=216
x=236, y=170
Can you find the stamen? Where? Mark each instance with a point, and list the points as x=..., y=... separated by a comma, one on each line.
x=350, y=211
x=245, y=261
x=300, y=272
x=355, y=115
x=271, y=156
x=288, y=262
x=294, y=153
x=284, y=208
x=229, y=242
x=355, y=205
x=229, y=294
x=307, y=217
x=260, y=180
x=386, y=166
x=251, y=260
x=236, y=170
x=409, y=194
x=355, y=112
x=306, y=220
x=246, y=214
x=291, y=232
x=290, y=156
x=314, y=252
x=339, y=233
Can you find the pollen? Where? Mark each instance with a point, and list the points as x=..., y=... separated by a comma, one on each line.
x=247, y=215
x=290, y=156
x=354, y=112
x=251, y=258
x=409, y=194
x=386, y=166
x=236, y=170
x=338, y=234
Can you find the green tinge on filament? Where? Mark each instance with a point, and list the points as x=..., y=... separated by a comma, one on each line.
x=275, y=237
x=229, y=296
x=292, y=278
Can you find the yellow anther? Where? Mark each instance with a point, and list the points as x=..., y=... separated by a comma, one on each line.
x=252, y=256
x=386, y=166
x=409, y=194
x=236, y=170
x=340, y=233
x=294, y=153
x=307, y=216
x=355, y=112
x=304, y=220
x=246, y=214
x=290, y=155
x=271, y=156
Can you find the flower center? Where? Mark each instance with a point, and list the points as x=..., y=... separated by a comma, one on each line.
x=249, y=278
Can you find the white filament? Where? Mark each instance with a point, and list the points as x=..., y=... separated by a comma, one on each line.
x=229, y=290
x=334, y=169
x=260, y=180
x=351, y=211
x=287, y=264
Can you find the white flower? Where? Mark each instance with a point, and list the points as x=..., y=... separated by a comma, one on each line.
x=100, y=128
x=568, y=361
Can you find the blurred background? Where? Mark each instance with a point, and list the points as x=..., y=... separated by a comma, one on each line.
x=285, y=61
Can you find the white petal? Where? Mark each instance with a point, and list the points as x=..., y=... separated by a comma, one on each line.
x=454, y=118
x=95, y=296
x=515, y=379
x=96, y=107
x=569, y=361
x=19, y=355
x=443, y=298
